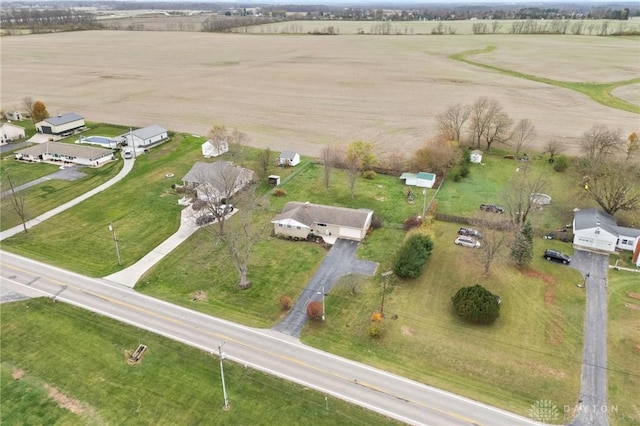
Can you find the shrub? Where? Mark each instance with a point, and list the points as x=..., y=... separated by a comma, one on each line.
x=376, y=317
x=285, y=302
x=455, y=174
x=198, y=204
x=560, y=163
x=375, y=330
x=412, y=256
x=476, y=304
x=464, y=170
x=411, y=222
x=376, y=222
x=369, y=174
x=278, y=192
x=314, y=311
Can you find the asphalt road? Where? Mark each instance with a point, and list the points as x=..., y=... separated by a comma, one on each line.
x=592, y=405
x=265, y=350
x=340, y=261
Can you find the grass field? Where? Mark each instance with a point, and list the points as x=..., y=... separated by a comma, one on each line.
x=538, y=336
x=305, y=92
x=624, y=347
x=63, y=365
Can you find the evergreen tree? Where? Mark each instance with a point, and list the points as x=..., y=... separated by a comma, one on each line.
x=522, y=248
x=412, y=256
x=476, y=304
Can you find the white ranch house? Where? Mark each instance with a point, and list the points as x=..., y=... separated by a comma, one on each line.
x=14, y=115
x=595, y=229
x=299, y=220
x=215, y=181
x=11, y=132
x=289, y=158
x=420, y=179
x=213, y=148
x=60, y=125
x=146, y=137
x=57, y=152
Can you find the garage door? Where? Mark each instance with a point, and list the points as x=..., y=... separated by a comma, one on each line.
x=350, y=233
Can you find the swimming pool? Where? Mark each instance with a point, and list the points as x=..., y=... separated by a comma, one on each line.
x=99, y=140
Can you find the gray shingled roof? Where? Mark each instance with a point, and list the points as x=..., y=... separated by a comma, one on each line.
x=66, y=149
x=63, y=119
x=288, y=154
x=218, y=174
x=309, y=214
x=591, y=218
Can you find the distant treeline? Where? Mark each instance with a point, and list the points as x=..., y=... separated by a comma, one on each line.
x=46, y=20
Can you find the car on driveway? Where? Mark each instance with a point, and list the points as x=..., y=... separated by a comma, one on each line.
x=467, y=242
x=491, y=208
x=469, y=232
x=556, y=256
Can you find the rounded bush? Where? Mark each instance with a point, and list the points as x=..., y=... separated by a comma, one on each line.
x=278, y=192
x=560, y=163
x=314, y=311
x=369, y=174
x=476, y=304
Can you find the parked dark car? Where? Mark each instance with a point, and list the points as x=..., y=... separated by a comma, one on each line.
x=469, y=232
x=554, y=255
x=491, y=208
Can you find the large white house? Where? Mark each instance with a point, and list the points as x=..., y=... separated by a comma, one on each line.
x=595, y=229
x=145, y=137
x=57, y=152
x=10, y=132
x=61, y=124
x=299, y=220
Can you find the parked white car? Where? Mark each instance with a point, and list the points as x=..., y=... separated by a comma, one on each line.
x=467, y=242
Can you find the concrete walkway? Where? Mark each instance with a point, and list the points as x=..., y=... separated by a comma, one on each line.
x=128, y=166
x=130, y=276
x=340, y=261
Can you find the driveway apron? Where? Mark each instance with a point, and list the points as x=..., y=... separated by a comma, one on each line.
x=341, y=260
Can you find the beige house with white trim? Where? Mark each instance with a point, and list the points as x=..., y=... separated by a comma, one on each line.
x=58, y=152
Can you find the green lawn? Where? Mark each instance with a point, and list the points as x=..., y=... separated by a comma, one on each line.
x=532, y=352
x=48, y=195
x=624, y=347
x=50, y=347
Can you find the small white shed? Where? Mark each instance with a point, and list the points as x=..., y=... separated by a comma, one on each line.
x=420, y=179
x=289, y=158
x=476, y=156
x=213, y=148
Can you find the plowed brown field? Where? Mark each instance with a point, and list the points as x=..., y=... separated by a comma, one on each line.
x=302, y=92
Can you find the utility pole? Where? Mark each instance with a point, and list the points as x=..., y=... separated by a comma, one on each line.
x=115, y=240
x=224, y=387
x=424, y=202
x=323, y=294
x=384, y=290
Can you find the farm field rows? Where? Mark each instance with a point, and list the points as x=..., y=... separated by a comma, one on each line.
x=304, y=92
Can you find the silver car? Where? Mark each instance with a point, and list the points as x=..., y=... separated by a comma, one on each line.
x=467, y=242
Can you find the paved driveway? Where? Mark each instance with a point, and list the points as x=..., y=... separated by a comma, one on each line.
x=592, y=406
x=341, y=260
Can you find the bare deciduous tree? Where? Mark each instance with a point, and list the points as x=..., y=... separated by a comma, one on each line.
x=494, y=240
x=330, y=156
x=488, y=122
x=518, y=199
x=452, y=121
x=27, y=103
x=395, y=161
x=554, y=148
x=243, y=231
x=17, y=200
x=614, y=186
x=523, y=133
x=265, y=160
x=600, y=143
x=353, y=164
